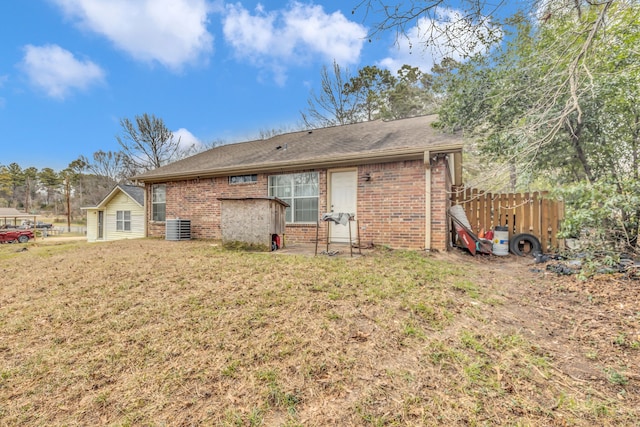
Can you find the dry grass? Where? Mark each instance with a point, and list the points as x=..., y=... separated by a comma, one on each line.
x=150, y=332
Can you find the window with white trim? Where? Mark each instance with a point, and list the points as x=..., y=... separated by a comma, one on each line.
x=158, y=202
x=123, y=220
x=300, y=191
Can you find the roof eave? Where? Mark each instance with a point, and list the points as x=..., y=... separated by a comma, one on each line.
x=354, y=159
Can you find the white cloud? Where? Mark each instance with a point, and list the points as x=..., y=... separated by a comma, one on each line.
x=58, y=72
x=250, y=35
x=448, y=36
x=170, y=32
x=188, y=142
x=301, y=33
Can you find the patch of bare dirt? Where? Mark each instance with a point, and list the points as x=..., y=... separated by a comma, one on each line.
x=590, y=329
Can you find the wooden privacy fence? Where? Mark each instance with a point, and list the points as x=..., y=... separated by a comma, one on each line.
x=533, y=213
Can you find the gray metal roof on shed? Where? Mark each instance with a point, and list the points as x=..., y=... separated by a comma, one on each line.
x=359, y=143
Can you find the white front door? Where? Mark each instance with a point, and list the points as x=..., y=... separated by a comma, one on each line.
x=344, y=195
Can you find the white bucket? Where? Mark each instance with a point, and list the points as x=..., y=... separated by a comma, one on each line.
x=501, y=241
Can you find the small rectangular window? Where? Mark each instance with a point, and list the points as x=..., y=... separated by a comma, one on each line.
x=243, y=179
x=158, y=202
x=123, y=220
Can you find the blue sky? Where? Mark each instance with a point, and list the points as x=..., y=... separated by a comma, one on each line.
x=71, y=69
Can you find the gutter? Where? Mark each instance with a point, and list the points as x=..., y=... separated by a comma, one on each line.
x=348, y=160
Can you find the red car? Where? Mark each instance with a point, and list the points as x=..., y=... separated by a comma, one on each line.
x=15, y=235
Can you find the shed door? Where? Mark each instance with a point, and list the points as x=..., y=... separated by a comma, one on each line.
x=344, y=194
x=100, y=224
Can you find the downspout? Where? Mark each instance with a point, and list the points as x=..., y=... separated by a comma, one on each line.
x=427, y=200
x=146, y=212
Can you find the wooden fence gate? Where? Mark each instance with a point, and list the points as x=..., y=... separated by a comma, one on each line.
x=533, y=213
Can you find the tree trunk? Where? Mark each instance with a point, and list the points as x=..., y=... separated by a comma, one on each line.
x=67, y=194
x=574, y=135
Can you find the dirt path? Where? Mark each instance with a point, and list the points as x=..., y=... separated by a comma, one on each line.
x=589, y=330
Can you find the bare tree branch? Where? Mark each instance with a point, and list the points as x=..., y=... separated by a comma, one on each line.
x=440, y=29
x=332, y=106
x=147, y=144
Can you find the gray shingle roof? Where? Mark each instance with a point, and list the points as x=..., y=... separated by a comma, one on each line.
x=135, y=192
x=366, y=142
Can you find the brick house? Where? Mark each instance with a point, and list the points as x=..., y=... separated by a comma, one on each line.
x=395, y=176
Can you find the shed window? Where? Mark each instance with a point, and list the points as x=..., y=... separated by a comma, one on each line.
x=243, y=179
x=300, y=191
x=123, y=220
x=158, y=202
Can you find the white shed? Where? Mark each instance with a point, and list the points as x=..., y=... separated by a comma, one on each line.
x=120, y=215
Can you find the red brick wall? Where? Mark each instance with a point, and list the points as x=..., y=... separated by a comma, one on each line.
x=391, y=205
x=197, y=200
x=440, y=202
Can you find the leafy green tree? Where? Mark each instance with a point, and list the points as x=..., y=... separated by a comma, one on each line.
x=68, y=175
x=30, y=186
x=5, y=186
x=79, y=167
x=372, y=94
x=559, y=100
x=465, y=25
x=49, y=182
x=370, y=88
x=518, y=104
x=16, y=181
x=411, y=95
